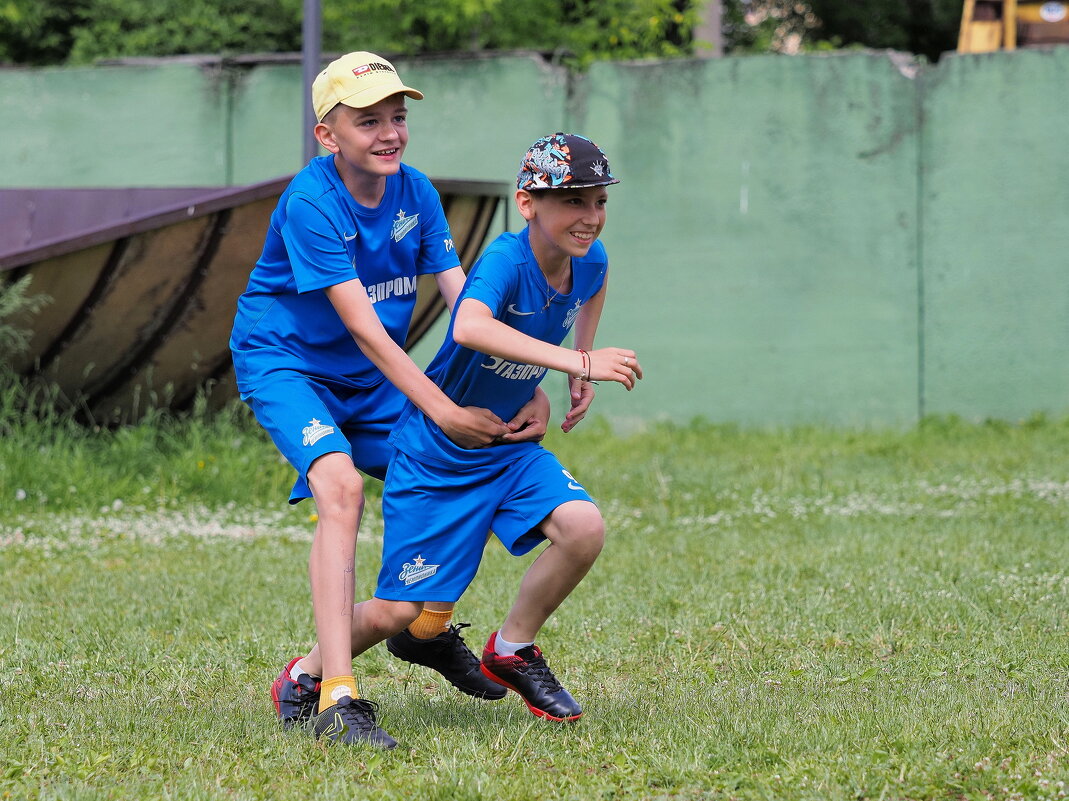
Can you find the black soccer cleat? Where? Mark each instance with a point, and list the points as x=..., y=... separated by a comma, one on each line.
x=449, y=655
x=295, y=701
x=351, y=722
x=528, y=674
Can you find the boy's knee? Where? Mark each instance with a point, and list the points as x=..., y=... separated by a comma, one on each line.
x=580, y=529
x=390, y=617
x=336, y=484
x=593, y=537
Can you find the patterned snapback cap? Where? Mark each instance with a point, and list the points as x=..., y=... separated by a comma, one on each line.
x=563, y=161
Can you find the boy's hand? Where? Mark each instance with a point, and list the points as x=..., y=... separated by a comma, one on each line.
x=582, y=395
x=615, y=364
x=473, y=427
x=530, y=422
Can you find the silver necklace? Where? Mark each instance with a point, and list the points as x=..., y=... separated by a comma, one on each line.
x=556, y=292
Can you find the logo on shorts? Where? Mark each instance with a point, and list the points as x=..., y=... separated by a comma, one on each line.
x=315, y=431
x=416, y=570
x=402, y=225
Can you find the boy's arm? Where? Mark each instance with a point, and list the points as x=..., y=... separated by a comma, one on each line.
x=531, y=421
x=582, y=392
x=468, y=427
x=450, y=282
x=475, y=327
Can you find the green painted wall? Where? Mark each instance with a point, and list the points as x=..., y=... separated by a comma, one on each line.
x=155, y=125
x=767, y=216
x=995, y=203
x=832, y=238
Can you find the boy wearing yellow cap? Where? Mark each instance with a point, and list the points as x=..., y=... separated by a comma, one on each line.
x=318, y=356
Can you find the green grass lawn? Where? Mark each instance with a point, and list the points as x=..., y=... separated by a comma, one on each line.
x=795, y=614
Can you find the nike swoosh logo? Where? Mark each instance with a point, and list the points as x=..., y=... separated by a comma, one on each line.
x=348, y=238
x=514, y=310
x=573, y=486
x=335, y=728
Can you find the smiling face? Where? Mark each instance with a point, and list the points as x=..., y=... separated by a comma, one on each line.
x=367, y=144
x=563, y=222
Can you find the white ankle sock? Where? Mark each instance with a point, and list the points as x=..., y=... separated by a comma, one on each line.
x=505, y=648
x=296, y=671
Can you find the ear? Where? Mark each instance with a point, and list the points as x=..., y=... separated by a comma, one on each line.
x=525, y=204
x=324, y=134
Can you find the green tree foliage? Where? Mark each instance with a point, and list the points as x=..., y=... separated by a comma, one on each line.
x=42, y=32
x=115, y=28
x=39, y=32
x=767, y=26
x=82, y=31
x=926, y=27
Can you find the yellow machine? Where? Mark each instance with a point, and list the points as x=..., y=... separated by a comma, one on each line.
x=988, y=25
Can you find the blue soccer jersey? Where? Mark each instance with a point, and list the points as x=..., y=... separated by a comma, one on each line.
x=319, y=237
x=508, y=280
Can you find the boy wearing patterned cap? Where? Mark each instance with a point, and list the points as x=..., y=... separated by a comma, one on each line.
x=318, y=356
x=522, y=297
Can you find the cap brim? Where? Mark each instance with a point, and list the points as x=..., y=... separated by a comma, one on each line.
x=373, y=95
x=569, y=185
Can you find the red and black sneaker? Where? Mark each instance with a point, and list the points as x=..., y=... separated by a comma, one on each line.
x=295, y=701
x=528, y=674
x=449, y=655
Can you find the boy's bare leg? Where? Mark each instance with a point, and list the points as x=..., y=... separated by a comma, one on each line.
x=375, y=619
x=576, y=534
x=338, y=490
x=341, y=716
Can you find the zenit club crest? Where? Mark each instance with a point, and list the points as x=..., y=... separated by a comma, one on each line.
x=416, y=570
x=573, y=312
x=315, y=431
x=402, y=225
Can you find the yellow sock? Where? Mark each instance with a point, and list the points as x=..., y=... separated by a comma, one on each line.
x=430, y=623
x=333, y=689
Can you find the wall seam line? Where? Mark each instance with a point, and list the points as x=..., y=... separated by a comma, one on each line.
x=920, y=101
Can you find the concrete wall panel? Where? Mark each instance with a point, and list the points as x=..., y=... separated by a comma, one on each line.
x=162, y=125
x=763, y=237
x=995, y=171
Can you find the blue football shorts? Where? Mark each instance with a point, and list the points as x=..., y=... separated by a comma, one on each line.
x=308, y=418
x=436, y=521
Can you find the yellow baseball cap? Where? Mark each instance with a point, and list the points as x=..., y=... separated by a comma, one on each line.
x=358, y=80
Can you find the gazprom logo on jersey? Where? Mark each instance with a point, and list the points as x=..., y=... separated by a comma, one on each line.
x=374, y=66
x=388, y=289
x=514, y=371
x=416, y=570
